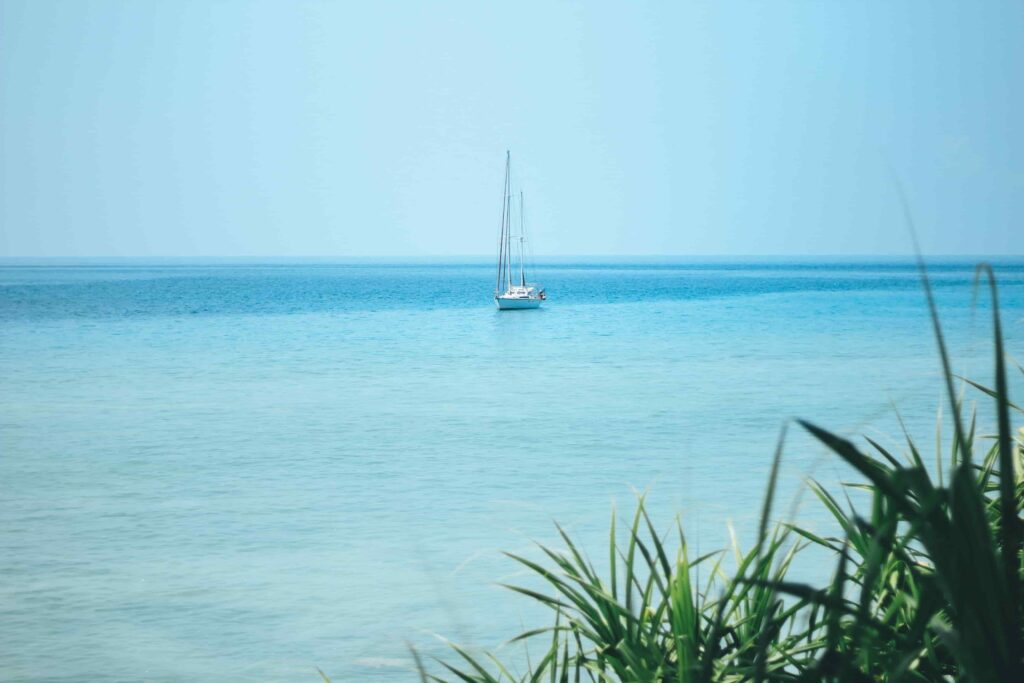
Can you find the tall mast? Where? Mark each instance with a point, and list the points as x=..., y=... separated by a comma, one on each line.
x=508, y=220
x=505, y=228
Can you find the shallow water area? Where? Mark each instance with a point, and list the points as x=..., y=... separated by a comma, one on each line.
x=242, y=471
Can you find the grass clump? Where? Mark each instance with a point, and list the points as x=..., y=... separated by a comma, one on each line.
x=927, y=582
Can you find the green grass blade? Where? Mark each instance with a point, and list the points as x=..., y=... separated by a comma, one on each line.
x=1009, y=526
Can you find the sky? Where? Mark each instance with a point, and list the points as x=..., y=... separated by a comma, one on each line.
x=348, y=129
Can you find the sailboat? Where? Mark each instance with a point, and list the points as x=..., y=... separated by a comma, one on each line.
x=511, y=291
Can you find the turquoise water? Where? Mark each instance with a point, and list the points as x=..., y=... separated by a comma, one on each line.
x=239, y=472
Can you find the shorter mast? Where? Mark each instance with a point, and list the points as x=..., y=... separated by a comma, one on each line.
x=522, y=240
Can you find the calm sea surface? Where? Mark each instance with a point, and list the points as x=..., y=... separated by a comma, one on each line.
x=240, y=472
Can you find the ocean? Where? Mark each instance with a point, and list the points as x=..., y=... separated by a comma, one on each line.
x=242, y=471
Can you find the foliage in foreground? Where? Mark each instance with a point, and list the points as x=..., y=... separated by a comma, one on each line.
x=927, y=584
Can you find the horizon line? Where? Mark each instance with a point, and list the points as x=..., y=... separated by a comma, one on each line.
x=337, y=258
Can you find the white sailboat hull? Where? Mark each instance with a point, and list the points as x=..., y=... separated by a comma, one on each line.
x=516, y=303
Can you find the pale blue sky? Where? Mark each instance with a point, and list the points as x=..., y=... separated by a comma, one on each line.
x=361, y=128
